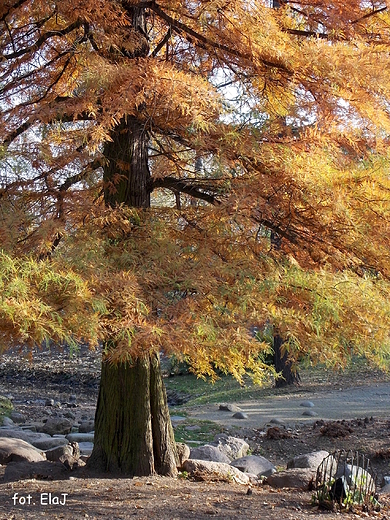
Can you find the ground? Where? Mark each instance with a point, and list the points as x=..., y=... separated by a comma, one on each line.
x=90, y=496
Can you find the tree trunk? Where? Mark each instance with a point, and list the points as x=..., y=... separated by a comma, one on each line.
x=133, y=431
x=283, y=365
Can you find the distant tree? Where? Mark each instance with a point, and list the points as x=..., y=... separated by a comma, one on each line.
x=107, y=108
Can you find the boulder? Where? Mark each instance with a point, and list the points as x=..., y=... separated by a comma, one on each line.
x=8, y=422
x=68, y=455
x=87, y=426
x=210, y=453
x=49, y=443
x=254, y=464
x=57, y=425
x=16, y=450
x=43, y=470
x=240, y=415
x=309, y=460
x=80, y=437
x=86, y=448
x=218, y=471
x=299, y=478
x=229, y=407
x=183, y=452
x=232, y=447
x=17, y=417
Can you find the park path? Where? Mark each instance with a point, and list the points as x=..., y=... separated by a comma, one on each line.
x=349, y=403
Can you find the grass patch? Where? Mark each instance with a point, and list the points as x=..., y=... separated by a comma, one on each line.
x=192, y=430
x=5, y=407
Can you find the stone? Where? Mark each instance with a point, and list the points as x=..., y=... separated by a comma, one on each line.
x=85, y=448
x=254, y=464
x=57, y=425
x=17, y=450
x=232, y=447
x=299, y=478
x=69, y=415
x=43, y=470
x=183, y=452
x=218, y=471
x=8, y=422
x=80, y=437
x=240, y=415
x=385, y=481
x=50, y=443
x=68, y=455
x=310, y=413
x=229, y=407
x=87, y=426
x=307, y=404
x=210, y=453
x=18, y=417
x=25, y=435
x=280, y=422
x=49, y=402
x=309, y=460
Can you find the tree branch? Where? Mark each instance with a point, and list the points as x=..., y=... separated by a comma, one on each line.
x=182, y=186
x=44, y=37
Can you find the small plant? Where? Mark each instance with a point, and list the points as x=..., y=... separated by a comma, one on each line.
x=345, y=479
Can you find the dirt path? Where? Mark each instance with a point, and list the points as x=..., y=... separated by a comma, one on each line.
x=348, y=403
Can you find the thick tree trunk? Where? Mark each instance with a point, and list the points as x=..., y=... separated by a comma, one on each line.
x=283, y=365
x=133, y=431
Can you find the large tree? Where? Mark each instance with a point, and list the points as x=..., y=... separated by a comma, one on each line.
x=116, y=115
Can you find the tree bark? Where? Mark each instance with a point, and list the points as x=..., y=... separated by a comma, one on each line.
x=133, y=431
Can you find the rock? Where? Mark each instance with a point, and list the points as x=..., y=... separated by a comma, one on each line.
x=43, y=470
x=232, y=447
x=49, y=402
x=299, y=478
x=310, y=413
x=25, y=435
x=68, y=455
x=85, y=448
x=254, y=464
x=80, y=437
x=57, y=425
x=229, y=407
x=50, y=443
x=277, y=421
x=8, y=422
x=183, y=452
x=240, y=415
x=18, y=417
x=207, y=470
x=307, y=404
x=87, y=426
x=309, y=460
x=17, y=450
x=385, y=490
x=69, y=415
x=210, y=453
x=385, y=481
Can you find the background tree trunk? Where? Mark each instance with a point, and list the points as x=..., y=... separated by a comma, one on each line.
x=283, y=365
x=133, y=431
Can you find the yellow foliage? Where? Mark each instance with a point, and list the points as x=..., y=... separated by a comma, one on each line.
x=268, y=127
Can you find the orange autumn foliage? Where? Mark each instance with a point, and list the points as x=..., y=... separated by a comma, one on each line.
x=274, y=119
